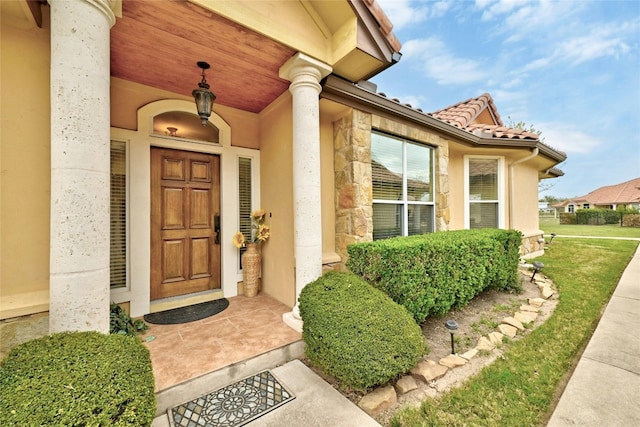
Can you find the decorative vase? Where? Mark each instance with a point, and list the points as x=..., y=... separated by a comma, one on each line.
x=251, y=260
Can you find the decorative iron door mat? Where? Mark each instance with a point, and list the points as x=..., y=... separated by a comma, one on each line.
x=233, y=405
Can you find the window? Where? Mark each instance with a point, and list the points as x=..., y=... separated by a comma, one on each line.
x=483, y=183
x=118, y=225
x=570, y=208
x=402, y=173
x=244, y=199
x=585, y=206
x=181, y=125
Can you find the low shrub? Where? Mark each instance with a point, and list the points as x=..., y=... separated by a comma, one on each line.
x=430, y=274
x=78, y=379
x=356, y=333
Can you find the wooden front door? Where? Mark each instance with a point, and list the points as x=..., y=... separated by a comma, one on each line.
x=185, y=222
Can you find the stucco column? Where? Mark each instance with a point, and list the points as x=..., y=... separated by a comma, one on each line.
x=80, y=139
x=305, y=74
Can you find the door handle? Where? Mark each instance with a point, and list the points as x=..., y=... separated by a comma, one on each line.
x=216, y=228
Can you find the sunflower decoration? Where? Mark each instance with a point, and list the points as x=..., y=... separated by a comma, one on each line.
x=260, y=231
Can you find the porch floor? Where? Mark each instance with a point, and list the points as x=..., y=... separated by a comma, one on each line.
x=247, y=328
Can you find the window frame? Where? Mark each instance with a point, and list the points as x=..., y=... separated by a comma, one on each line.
x=405, y=203
x=500, y=201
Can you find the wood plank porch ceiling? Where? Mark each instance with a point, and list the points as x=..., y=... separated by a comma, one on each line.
x=157, y=44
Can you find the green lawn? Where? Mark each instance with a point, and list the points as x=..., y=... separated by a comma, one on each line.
x=519, y=389
x=550, y=225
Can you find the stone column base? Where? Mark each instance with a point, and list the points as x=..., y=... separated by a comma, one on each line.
x=292, y=321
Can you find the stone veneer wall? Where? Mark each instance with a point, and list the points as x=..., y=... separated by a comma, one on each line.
x=353, y=180
x=532, y=245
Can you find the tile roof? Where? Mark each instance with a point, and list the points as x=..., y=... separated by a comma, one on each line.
x=464, y=113
x=497, y=131
x=385, y=24
x=626, y=192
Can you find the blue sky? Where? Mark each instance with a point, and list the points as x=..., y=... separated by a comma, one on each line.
x=570, y=69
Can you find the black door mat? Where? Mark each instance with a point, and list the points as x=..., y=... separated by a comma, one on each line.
x=233, y=405
x=187, y=314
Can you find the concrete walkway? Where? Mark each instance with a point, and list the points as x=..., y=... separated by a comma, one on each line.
x=604, y=389
x=317, y=404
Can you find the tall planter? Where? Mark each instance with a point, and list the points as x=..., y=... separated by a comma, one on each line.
x=251, y=262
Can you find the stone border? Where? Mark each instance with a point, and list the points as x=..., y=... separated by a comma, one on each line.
x=430, y=372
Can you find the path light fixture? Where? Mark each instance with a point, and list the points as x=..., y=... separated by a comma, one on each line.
x=203, y=96
x=537, y=266
x=552, y=236
x=452, y=326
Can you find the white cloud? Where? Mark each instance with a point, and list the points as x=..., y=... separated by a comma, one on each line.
x=593, y=42
x=567, y=138
x=498, y=8
x=437, y=62
x=401, y=13
x=600, y=42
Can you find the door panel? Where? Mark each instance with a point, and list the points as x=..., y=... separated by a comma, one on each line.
x=185, y=197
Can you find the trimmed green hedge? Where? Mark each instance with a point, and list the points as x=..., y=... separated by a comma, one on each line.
x=356, y=333
x=431, y=273
x=78, y=379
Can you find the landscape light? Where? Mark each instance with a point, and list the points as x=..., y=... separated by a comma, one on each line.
x=537, y=266
x=452, y=326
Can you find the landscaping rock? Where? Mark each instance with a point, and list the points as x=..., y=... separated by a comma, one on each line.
x=485, y=344
x=406, y=384
x=525, y=317
x=536, y=302
x=378, y=400
x=452, y=361
x=470, y=354
x=513, y=322
x=428, y=371
x=508, y=330
x=547, y=292
x=495, y=338
x=529, y=308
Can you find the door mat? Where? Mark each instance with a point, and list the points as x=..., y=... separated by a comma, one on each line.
x=233, y=405
x=187, y=314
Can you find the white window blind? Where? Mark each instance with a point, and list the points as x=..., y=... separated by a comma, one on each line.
x=483, y=193
x=244, y=199
x=118, y=226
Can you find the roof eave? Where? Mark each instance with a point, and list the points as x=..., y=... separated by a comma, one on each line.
x=342, y=91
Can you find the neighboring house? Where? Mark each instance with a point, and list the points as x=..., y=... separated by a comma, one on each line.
x=626, y=194
x=113, y=190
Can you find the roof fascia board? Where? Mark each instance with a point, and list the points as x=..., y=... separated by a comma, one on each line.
x=344, y=92
x=375, y=33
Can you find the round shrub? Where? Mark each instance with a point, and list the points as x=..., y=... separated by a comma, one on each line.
x=357, y=333
x=78, y=379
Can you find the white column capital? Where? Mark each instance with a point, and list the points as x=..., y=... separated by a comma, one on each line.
x=302, y=69
x=108, y=8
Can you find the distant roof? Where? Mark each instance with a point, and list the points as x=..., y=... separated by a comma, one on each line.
x=626, y=192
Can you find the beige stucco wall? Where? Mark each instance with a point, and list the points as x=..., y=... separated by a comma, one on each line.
x=127, y=97
x=276, y=187
x=24, y=170
x=276, y=190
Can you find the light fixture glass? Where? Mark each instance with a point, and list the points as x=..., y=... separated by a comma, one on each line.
x=203, y=96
